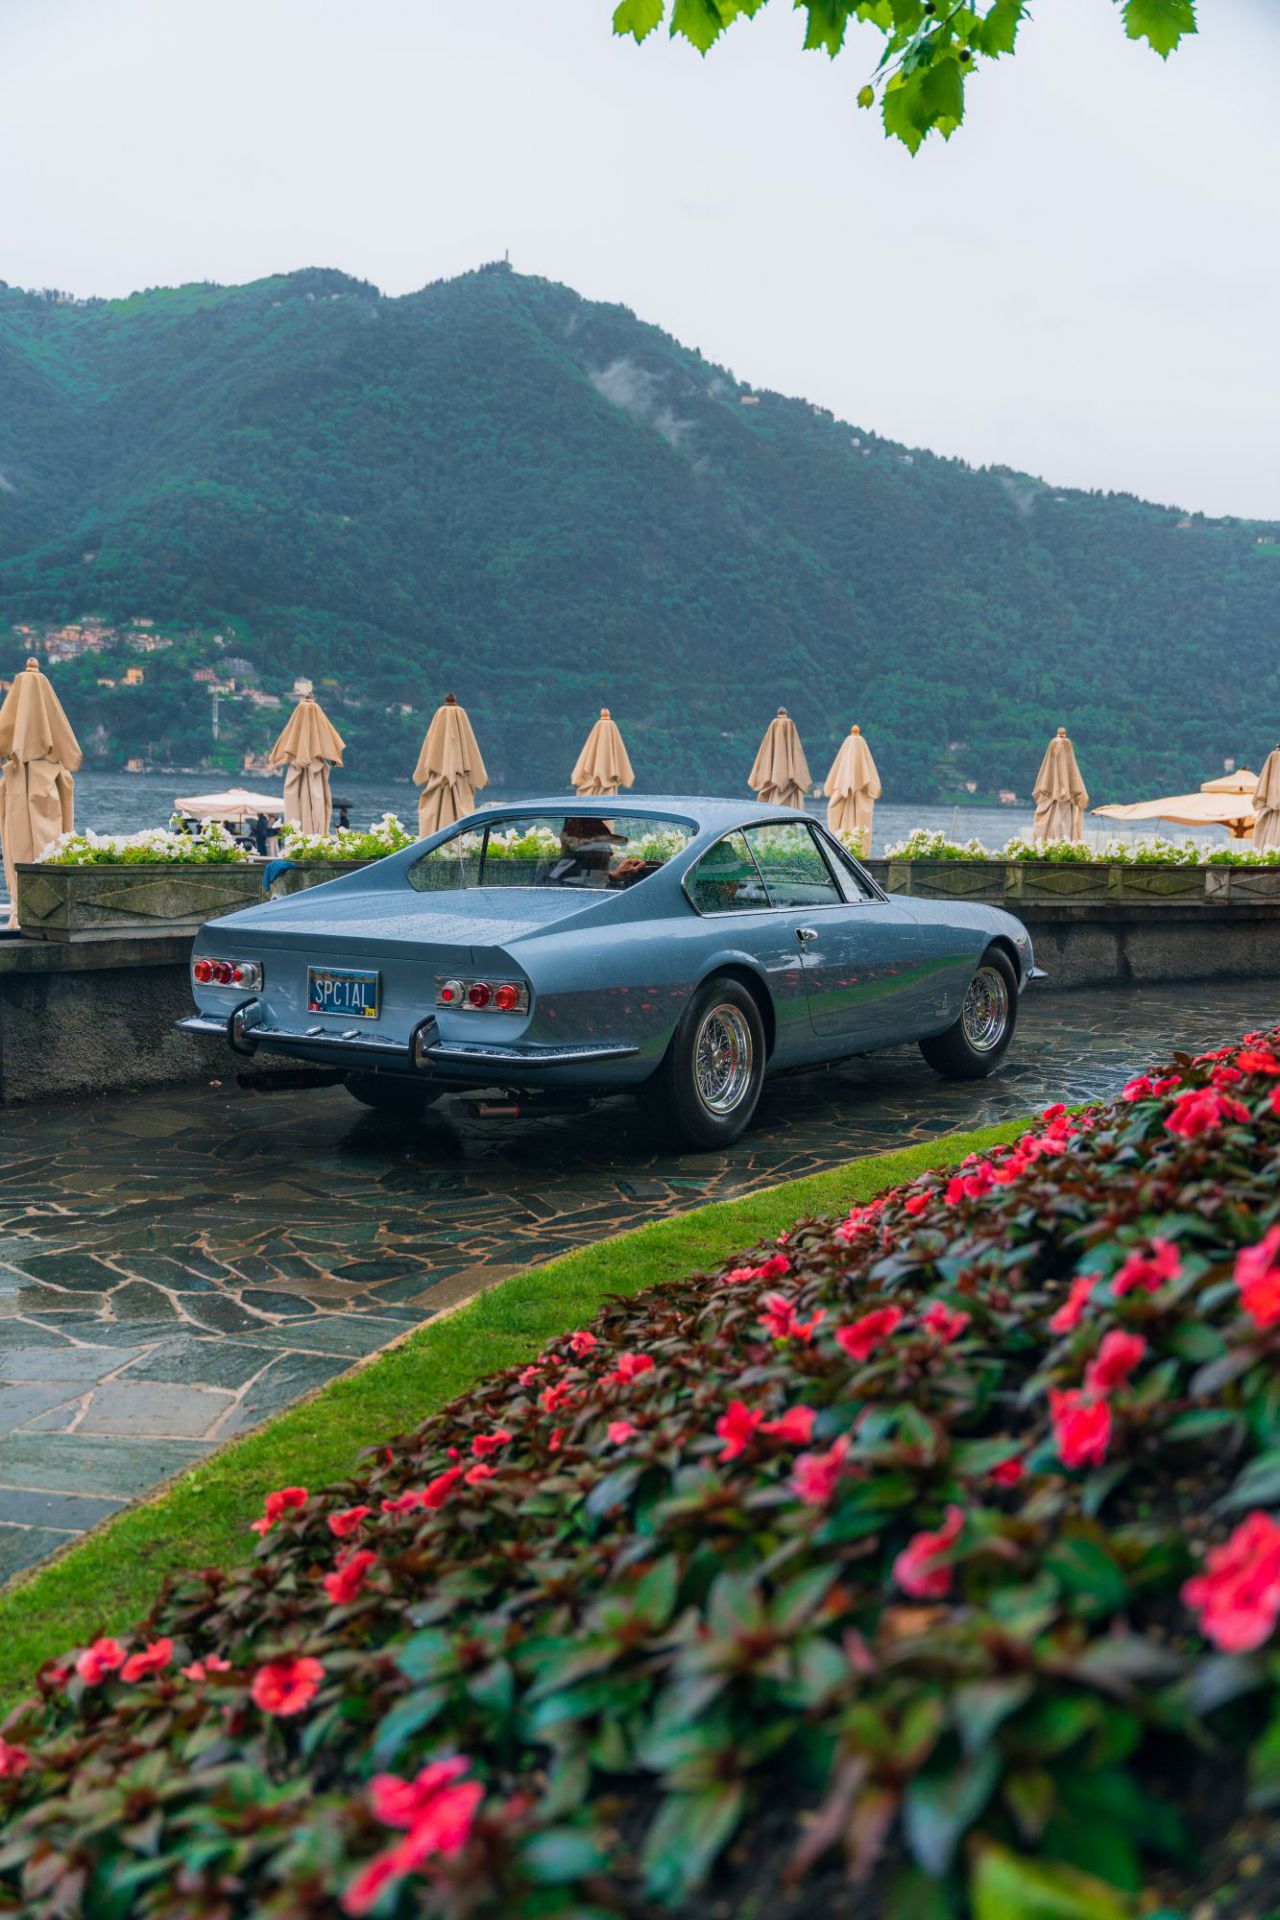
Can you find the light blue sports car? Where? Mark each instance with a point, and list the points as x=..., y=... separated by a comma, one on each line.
x=678, y=948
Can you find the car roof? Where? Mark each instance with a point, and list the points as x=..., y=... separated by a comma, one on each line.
x=711, y=814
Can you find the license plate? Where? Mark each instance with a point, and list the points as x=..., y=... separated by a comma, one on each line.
x=341, y=990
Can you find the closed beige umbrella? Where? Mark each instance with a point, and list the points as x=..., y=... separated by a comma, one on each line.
x=603, y=765
x=780, y=776
x=852, y=789
x=1059, y=793
x=1266, y=803
x=305, y=748
x=449, y=769
x=39, y=754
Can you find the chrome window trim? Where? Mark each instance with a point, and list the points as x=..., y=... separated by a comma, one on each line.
x=742, y=913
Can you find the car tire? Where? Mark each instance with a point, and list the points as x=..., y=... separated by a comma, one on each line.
x=389, y=1093
x=974, y=1045
x=706, y=1090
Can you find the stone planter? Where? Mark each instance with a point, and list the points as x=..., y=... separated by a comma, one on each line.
x=1157, y=886
x=1054, y=880
x=103, y=902
x=879, y=871
x=947, y=879
x=1242, y=886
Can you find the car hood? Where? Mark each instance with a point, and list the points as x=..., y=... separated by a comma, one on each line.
x=478, y=917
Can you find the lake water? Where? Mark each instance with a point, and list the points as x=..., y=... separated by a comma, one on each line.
x=126, y=802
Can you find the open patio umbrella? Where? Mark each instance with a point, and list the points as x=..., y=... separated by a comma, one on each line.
x=1266, y=803
x=852, y=788
x=449, y=769
x=39, y=754
x=234, y=803
x=307, y=745
x=603, y=765
x=1059, y=793
x=780, y=776
x=1224, y=802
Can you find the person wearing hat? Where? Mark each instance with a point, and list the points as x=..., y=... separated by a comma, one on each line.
x=586, y=853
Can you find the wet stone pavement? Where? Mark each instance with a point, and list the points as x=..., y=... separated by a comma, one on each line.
x=175, y=1267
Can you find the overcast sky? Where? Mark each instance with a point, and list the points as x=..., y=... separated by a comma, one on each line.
x=1085, y=283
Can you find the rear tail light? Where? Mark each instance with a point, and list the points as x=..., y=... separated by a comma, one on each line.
x=483, y=996
x=207, y=972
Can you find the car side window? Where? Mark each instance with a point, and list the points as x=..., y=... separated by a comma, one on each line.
x=855, y=884
x=726, y=879
x=792, y=867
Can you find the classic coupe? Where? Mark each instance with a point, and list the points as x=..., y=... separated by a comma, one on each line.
x=681, y=949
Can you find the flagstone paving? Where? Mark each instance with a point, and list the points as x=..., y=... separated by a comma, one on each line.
x=175, y=1267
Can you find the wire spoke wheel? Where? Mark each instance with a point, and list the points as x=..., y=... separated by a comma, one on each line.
x=985, y=1014
x=723, y=1059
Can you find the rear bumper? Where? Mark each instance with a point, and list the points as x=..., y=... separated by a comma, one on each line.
x=424, y=1053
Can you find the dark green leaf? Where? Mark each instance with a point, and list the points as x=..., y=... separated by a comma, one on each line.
x=940, y=1807
x=1161, y=23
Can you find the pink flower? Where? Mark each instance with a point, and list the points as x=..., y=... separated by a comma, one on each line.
x=1169, y=1082
x=97, y=1661
x=630, y=1367
x=277, y=1505
x=343, y=1524
x=779, y=1319
x=1139, y=1089
x=152, y=1659
x=1238, y=1594
x=1258, y=1060
x=439, y=1812
x=737, y=1428
x=1071, y=1312
x=738, y=1276
x=286, y=1686
x=916, y=1204
x=486, y=1443
x=1257, y=1274
x=1225, y=1076
x=815, y=1476
x=1114, y=1361
x=344, y=1586
x=552, y=1398
x=620, y=1431
x=582, y=1343
x=1081, y=1427
x=477, y=1475
x=553, y=1443
x=400, y=1803
x=1148, y=1270
x=201, y=1669
x=921, y=1568
x=774, y=1267
x=1202, y=1110
x=13, y=1760
x=1008, y=1473
x=943, y=1322
x=861, y=1338
x=795, y=1426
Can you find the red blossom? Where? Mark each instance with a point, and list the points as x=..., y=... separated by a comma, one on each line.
x=943, y=1322
x=582, y=1343
x=552, y=1398
x=1225, y=1076
x=1139, y=1089
x=1081, y=1427
x=630, y=1367
x=344, y=1586
x=1203, y=1110
x=1258, y=1060
x=621, y=1430
x=1114, y=1361
x=737, y=1428
x=477, y=1475
x=921, y=1569
x=795, y=1426
x=774, y=1267
x=1167, y=1084
x=815, y=1476
x=1071, y=1312
x=916, y=1203
x=286, y=1686
x=529, y=1374
x=486, y=1443
x=553, y=1444
x=13, y=1760
x=98, y=1660
x=1257, y=1274
x=343, y=1524
x=1008, y=1473
x=861, y=1337
x=152, y=1659
x=201, y=1669
x=779, y=1319
x=438, y=1811
x=1238, y=1594
x=1148, y=1271
x=277, y=1505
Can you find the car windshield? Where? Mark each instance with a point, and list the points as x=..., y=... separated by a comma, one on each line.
x=583, y=849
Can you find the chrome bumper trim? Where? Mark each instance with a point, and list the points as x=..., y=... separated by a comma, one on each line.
x=439, y=1053
x=445, y=1053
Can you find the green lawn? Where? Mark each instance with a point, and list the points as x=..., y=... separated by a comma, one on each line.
x=109, y=1579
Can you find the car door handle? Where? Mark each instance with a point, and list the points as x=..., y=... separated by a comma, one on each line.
x=805, y=934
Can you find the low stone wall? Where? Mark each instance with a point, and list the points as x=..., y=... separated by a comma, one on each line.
x=1021, y=885
x=146, y=901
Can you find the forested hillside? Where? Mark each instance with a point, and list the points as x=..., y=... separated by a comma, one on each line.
x=496, y=487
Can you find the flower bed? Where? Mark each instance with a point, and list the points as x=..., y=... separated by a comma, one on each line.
x=933, y=1545
x=1147, y=850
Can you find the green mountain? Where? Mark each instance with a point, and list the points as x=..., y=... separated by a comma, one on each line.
x=497, y=487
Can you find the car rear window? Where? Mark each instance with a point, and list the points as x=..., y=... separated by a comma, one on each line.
x=583, y=849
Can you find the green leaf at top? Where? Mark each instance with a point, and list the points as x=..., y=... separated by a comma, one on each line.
x=637, y=17
x=1003, y=1886
x=1161, y=23
x=827, y=22
x=998, y=32
x=700, y=22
